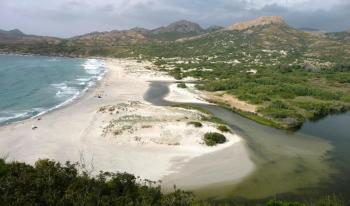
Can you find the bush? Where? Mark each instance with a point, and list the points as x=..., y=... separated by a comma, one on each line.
x=181, y=85
x=223, y=128
x=213, y=138
x=176, y=73
x=283, y=203
x=195, y=124
x=331, y=200
x=50, y=183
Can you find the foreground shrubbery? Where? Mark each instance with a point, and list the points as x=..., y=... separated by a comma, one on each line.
x=50, y=183
x=213, y=138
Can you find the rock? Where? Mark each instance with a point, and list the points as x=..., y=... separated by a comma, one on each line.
x=264, y=20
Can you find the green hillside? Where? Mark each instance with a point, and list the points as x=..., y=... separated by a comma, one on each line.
x=298, y=75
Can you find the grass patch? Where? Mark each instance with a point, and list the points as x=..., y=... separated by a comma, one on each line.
x=208, y=117
x=265, y=121
x=214, y=138
x=223, y=128
x=192, y=107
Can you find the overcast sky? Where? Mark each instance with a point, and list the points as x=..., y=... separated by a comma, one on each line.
x=65, y=18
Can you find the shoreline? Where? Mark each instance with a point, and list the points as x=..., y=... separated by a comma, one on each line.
x=90, y=86
x=154, y=149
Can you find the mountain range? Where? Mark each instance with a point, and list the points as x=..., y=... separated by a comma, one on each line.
x=266, y=32
x=173, y=31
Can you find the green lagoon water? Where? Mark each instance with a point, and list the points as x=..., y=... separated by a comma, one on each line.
x=34, y=85
x=302, y=165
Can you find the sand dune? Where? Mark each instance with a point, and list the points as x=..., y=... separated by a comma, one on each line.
x=122, y=132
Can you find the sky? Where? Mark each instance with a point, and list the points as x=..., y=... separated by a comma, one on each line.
x=67, y=18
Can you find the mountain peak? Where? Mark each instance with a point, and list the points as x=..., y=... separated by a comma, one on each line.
x=264, y=20
x=182, y=26
x=15, y=32
x=182, y=22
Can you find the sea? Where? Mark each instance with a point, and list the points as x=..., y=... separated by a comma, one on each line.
x=31, y=86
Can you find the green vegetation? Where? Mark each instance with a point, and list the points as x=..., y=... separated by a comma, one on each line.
x=182, y=85
x=213, y=138
x=286, y=98
x=195, y=124
x=291, y=75
x=332, y=200
x=223, y=128
x=263, y=120
x=50, y=183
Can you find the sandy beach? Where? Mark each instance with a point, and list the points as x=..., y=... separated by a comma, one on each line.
x=112, y=128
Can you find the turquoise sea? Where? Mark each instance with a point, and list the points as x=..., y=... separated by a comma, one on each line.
x=33, y=85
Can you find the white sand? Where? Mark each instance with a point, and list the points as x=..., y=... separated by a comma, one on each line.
x=122, y=132
x=184, y=95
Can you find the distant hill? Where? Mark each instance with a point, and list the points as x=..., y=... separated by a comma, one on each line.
x=262, y=38
x=256, y=37
x=96, y=43
x=14, y=32
x=309, y=29
x=340, y=36
x=261, y=21
x=214, y=28
x=182, y=26
x=17, y=37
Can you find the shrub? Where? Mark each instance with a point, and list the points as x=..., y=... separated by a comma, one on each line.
x=283, y=203
x=223, y=128
x=176, y=73
x=195, y=124
x=181, y=85
x=331, y=200
x=50, y=183
x=213, y=138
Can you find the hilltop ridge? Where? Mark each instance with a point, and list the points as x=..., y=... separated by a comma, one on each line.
x=182, y=26
x=16, y=32
x=261, y=21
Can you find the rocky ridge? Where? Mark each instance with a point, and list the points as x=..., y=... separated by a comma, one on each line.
x=261, y=21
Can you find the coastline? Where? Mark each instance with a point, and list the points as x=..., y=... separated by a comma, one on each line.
x=88, y=83
x=77, y=132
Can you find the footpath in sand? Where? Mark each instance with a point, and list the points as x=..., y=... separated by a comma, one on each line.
x=112, y=128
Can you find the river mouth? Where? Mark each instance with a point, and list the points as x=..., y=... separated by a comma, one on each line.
x=292, y=165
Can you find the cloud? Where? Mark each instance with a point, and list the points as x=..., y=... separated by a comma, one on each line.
x=73, y=17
